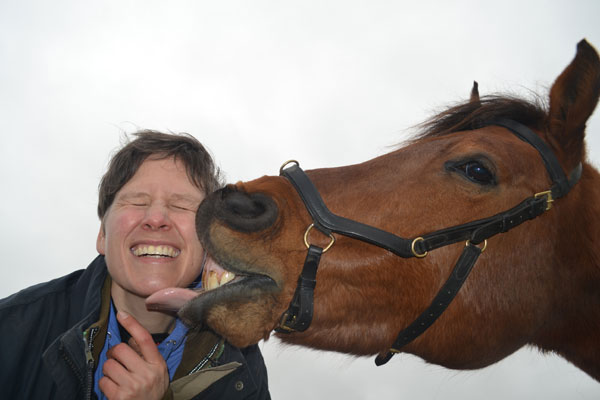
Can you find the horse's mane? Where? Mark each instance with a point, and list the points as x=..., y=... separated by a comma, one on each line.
x=476, y=114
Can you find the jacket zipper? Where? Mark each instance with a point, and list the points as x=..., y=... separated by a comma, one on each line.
x=88, y=340
x=206, y=359
x=71, y=364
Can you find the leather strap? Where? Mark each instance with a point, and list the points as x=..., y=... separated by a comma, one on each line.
x=441, y=301
x=479, y=230
x=329, y=222
x=561, y=185
x=299, y=314
x=476, y=231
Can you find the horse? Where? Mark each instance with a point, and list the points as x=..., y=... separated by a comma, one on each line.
x=472, y=240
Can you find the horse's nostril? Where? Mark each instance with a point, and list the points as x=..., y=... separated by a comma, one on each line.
x=245, y=206
x=247, y=212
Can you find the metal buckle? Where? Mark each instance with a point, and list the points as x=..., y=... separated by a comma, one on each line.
x=549, y=200
x=283, y=322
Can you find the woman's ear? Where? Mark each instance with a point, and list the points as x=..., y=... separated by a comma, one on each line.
x=101, y=240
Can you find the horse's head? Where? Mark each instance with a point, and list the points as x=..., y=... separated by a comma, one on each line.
x=460, y=169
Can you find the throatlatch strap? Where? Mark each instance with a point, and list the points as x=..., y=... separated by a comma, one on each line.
x=299, y=314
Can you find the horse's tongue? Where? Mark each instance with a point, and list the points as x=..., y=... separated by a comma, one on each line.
x=171, y=299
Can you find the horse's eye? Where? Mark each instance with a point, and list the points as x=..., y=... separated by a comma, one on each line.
x=477, y=172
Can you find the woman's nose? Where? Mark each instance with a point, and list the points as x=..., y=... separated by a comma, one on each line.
x=156, y=217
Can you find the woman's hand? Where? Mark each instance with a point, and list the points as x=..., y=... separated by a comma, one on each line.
x=135, y=370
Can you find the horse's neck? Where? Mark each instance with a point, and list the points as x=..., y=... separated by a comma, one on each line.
x=583, y=226
x=576, y=333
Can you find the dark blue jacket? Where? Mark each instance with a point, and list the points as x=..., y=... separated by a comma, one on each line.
x=43, y=355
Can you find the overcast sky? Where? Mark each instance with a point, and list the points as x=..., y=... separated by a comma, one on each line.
x=259, y=82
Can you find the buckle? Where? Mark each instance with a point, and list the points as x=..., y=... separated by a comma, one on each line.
x=283, y=323
x=549, y=199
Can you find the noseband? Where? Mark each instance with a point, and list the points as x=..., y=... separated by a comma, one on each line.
x=298, y=316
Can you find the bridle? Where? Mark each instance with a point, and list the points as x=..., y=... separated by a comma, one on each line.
x=298, y=316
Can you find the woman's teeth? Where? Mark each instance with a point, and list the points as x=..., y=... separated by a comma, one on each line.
x=212, y=280
x=155, y=251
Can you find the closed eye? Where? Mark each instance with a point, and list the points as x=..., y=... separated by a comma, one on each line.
x=184, y=202
x=182, y=205
x=475, y=171
x=183, y=208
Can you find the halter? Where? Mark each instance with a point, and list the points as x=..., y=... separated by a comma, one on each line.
x=298, y=316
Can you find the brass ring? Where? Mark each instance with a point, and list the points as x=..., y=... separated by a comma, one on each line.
x=484, y=245
x=412, y=248
x=285, y=164
x=306, y=238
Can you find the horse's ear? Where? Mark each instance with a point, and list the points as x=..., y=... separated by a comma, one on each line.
x=573, y=98
x=474, y=93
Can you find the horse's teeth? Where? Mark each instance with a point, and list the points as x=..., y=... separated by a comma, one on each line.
x=212, y=280
x=226, y=277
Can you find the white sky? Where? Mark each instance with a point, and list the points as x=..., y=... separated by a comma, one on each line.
x=259, y=82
